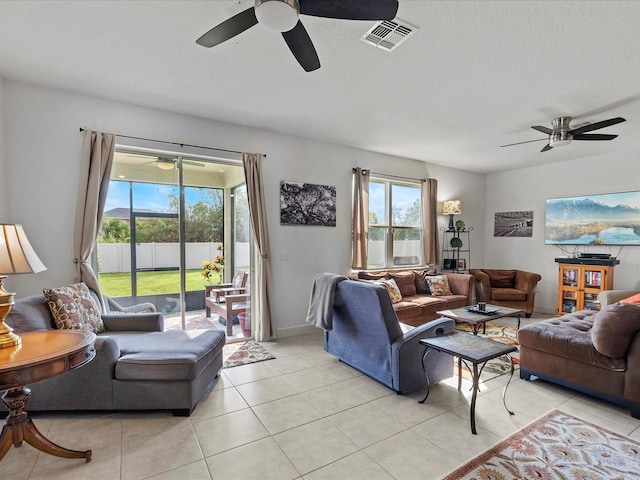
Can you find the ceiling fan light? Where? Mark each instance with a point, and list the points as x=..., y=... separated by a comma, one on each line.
x=278, y=15
x=165, y=164
x=560, y=139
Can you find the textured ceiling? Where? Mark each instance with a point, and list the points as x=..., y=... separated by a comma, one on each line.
x=476, y=75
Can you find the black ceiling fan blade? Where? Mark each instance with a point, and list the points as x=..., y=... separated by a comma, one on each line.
x=229, y=28
x=546, y=130
x=546, y=148
x=527, y=141
x=350, y=9
x=597, y=126
x=594, y=136
x=302, y=47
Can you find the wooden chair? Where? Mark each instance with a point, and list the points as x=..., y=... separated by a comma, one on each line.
x=228, y=299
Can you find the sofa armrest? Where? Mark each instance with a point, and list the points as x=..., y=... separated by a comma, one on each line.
x=107, y=350
x=612, y=296
x=434, y=328
x=483, y=285
x=461, y=284
x=138, y=322
x=526, y=281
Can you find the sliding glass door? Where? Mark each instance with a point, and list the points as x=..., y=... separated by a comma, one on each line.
x=164, y=217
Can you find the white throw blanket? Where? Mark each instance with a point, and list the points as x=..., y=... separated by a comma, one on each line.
x=321, y=304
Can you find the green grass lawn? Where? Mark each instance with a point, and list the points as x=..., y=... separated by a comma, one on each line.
x=152, y=283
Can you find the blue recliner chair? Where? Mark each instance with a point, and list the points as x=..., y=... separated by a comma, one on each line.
x=366, y=335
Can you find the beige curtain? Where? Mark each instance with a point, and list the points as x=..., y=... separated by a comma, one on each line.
x=261, y=314
x=97, y=160
x=429, y=193
x=360, y=219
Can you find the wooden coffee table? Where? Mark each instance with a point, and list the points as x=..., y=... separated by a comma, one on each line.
x=476, y=318
x=42, y=355
x=476, y=350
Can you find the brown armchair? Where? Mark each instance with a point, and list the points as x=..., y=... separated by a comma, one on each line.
x=506, y=288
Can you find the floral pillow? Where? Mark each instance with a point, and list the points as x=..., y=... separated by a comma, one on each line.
x=392, y=288
x=73, y=308
x=439, y=285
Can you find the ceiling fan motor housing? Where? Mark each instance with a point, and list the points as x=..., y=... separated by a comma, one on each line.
x=278, y=15
x=560, y=135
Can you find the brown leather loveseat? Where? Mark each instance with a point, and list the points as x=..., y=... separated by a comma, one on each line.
x=595, y=352
x=507, y=288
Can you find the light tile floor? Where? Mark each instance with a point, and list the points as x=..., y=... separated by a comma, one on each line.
x=301, y=416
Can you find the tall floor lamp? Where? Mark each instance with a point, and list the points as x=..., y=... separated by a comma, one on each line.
x=16, y=256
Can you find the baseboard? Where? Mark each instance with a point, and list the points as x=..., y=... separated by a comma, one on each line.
x=297, y=330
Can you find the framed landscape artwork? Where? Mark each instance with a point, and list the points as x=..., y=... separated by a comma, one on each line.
x=603, y=219
x=513, y=224
x=307, y=204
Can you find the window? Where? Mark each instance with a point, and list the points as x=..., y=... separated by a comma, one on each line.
x=395, y=223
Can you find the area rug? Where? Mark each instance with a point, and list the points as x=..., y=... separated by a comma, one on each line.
x=242, y=353
x=558, y=446
x=499, y=333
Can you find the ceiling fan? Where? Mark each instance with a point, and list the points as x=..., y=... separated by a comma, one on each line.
x=282, y=16
x=166, y=163
x=562, y=134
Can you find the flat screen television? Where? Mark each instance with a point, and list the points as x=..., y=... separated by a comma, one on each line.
x=603, y=219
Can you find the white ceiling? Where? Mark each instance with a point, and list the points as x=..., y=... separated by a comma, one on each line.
x=476, y=75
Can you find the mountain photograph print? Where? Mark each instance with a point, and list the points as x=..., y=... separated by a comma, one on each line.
x=604, y=219
x=513, y=224
x=307, y=204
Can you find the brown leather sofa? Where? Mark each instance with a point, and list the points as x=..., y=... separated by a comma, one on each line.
x=597, y=353
x=507, y=288
x=418, y=307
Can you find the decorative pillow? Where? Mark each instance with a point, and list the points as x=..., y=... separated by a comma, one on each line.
x=633, y=299
x=406, y=282
x=439, y=285
x=614, y=327
x=392, y=289
x=73, y=308
x=501, y=278
x=421, y=283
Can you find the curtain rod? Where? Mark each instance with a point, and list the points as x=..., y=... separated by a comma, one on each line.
x=174, y=143
x=392, y=176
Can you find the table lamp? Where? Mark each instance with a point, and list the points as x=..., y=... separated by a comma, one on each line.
x=451, y=208
x=16, y=256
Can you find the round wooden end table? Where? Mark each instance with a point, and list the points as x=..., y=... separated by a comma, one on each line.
x=42, y=355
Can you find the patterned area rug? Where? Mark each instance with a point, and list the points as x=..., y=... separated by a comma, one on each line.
x=242, y=353
x=558, y=446
x=496, y=332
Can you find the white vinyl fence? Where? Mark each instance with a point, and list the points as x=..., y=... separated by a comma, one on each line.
x=116, y=257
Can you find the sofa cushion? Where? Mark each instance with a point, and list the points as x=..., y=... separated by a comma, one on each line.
x=405, y=310
x=174, y=355
x=614, y=328
x=439, y=285
x=569, y=337
x=74, y=308
x=30, y=314
x=508, y=294
x=372, y=275
x=406, y=282
x=501, y=278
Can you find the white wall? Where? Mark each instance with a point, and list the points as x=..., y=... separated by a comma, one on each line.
x=43, y=148
x=528, y=189
x=4, y=168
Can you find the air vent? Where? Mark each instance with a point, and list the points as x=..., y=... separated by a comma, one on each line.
x=388, y=34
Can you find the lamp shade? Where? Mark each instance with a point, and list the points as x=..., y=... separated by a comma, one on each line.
x=451, y=207
x=16, y=253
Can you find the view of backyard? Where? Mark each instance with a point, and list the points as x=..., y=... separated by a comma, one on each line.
x=153, y=283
